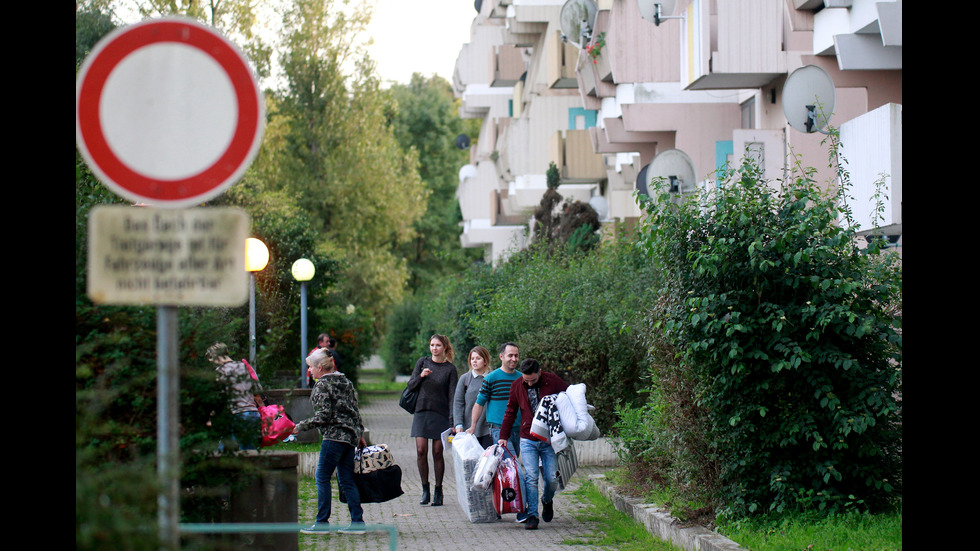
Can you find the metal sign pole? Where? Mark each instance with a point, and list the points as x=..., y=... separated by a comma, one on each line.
x=168, y=452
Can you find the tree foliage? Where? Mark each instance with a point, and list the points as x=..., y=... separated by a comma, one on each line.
x=571, y=311
x=778, y=330
x=573, y=225
x=340, y=157
x=425, y=120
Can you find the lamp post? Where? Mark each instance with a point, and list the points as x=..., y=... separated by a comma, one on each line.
x=256, y=258
x=302, y=271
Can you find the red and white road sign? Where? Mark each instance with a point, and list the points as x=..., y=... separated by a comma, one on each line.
x=167, y=112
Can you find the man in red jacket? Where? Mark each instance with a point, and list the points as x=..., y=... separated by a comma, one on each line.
x=525, y=395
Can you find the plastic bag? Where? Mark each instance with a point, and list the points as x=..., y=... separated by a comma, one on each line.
x=507, y=496
x=276, y=427
x=487, y=467
x=476, y=503
x=467, y=446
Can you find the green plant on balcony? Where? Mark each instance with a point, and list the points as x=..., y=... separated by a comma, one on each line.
x=595, y=48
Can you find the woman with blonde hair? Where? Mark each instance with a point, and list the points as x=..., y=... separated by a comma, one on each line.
x=435, y=378
x=467, y=390
x=337, y=416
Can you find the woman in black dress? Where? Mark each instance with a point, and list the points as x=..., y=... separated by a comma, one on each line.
x=435, y=379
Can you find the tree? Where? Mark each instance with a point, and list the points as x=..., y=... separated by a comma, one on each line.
x=426, y=121
x=236, y=18
x=340, y=157
x=574, y=226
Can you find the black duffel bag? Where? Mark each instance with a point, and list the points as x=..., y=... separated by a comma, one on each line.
x=378, y=486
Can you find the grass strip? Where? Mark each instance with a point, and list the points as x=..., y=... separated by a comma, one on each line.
x=614, y=528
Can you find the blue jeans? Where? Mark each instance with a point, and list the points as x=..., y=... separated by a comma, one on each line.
x=246, y=431
x=513, y=443
x=339, y=456
x=533, y=451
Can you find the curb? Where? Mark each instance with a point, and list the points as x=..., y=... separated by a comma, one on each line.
x=663, y=526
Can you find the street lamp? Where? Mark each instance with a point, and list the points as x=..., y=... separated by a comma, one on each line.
x=256, y=258
x=302, y=271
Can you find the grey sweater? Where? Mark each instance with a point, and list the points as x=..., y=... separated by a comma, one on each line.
x=467, y=389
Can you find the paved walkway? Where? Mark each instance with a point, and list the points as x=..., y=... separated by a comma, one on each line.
x=439, y=528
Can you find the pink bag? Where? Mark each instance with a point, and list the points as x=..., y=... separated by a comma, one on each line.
x=276, y=427
x=507, y=496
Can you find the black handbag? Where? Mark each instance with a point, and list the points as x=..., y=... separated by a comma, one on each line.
x=408, y=399
x=377, y=486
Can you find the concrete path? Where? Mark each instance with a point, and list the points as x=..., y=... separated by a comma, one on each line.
x=444, y=528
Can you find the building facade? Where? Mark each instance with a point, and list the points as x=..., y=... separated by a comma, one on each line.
x=616, y=93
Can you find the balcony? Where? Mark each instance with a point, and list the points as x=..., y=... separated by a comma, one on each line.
x=740, y=46
x=561, y=59
x=872, y=144
x=506, y=65
x=572, y=152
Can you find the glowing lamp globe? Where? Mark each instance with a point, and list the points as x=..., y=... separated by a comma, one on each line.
x=303, y=270
x=256, y=255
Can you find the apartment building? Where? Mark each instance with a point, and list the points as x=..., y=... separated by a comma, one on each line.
x=616, y=92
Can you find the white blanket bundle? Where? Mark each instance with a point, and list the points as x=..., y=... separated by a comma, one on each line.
x=573, y=411
x=573, y=418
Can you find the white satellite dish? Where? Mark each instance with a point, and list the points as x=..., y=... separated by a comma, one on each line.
x=676, y=169
x=809, y=98
x=466, y=172
x=655, y=11
x=601, y=207
x=577, y=19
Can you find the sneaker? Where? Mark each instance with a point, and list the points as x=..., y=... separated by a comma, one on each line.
x=354, y=528
x=547, y=511
x=532, y=523
x=521, y=518
x=317, y=528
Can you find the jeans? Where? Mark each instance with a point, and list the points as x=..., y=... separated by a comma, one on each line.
x=246, y=431
x=339, y=456
x=533, y=451
x=513, y=443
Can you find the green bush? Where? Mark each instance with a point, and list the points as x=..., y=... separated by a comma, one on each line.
x=574, y=312
x=784, y=335
x=403, y=326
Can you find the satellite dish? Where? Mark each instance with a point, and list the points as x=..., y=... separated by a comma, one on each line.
x=467, y=171
x=641, y=181
x=655, y=11
x=577, y=19
x=809, y=97
x=463, y=141
x=601, y=207
x=676, y=169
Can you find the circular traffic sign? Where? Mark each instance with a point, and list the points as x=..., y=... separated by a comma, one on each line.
x=167, y=112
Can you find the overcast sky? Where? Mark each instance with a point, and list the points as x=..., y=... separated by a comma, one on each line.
x=422, y=36
x=410, y=36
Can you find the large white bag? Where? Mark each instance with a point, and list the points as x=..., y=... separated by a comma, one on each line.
x=477, y=504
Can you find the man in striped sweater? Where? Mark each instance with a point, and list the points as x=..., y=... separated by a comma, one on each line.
x=493, y=397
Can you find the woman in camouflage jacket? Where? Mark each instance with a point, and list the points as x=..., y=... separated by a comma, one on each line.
x=336, y=415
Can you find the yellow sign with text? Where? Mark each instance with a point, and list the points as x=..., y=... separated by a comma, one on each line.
x=186, y=257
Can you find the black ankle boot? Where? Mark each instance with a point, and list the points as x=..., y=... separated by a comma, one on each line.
x=437, y=497
x=425, y=495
